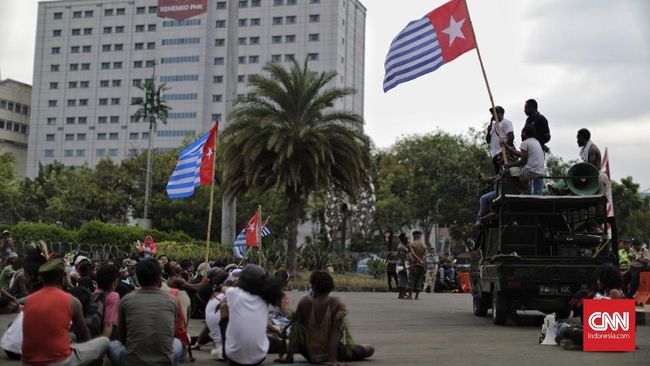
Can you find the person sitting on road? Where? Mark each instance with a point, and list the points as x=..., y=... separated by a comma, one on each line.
x=639, y=259
x=320, y=332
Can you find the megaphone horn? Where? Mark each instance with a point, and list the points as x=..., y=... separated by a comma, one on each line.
x=583, y=179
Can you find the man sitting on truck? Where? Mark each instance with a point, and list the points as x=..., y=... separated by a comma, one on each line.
x=531, y=159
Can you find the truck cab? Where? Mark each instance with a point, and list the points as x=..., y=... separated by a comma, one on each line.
x=536, y=252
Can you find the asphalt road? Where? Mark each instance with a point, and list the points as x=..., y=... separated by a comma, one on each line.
x=440, y=329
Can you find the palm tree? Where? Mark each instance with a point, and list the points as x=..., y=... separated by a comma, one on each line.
x=287, y=134
x=153, y=108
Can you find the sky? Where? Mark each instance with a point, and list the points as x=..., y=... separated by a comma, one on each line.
x=586, y=62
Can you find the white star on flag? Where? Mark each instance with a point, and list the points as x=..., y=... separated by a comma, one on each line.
x=454, y=31
x=251, y=227
x=209, y=153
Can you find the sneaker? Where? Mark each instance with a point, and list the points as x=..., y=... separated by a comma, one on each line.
x=216, y=354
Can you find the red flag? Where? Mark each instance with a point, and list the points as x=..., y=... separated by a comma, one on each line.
x=207, y=158
x=251, y=230
x=454, y=29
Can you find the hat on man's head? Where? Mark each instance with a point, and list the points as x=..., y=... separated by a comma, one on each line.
x=499, y=109
x=52, y=265
x=252, y=272
x=129, y=262
x=12, y=255
x=80, y=259
x=6, y=232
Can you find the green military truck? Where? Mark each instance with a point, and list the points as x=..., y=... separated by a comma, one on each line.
x=536, y=252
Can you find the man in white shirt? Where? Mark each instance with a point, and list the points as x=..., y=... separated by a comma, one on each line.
x=492, y=137
x=531, y=159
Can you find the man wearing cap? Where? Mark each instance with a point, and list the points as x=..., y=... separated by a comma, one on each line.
x=492, y=137
x=9, y=270
x=418, y=254
x=48, y=314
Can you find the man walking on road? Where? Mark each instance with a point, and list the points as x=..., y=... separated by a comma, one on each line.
x=418, y=255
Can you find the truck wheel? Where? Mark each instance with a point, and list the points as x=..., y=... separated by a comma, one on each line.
x=500, y=307
x=480, y=303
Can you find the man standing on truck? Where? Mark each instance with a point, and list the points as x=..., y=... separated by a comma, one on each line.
x=418, y=255
x=531, y=159
x=589, y=152
x=492, y=137
x=537, y=120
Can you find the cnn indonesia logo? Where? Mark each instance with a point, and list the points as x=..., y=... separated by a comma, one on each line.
x=609, y=325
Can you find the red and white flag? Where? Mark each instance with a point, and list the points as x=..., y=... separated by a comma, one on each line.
x=252, y=229
x=610, y=197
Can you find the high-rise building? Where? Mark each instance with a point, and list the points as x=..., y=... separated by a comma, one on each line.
x=15, y=98
x=91, y=54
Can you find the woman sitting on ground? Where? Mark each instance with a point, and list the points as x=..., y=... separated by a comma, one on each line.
x=319, y=331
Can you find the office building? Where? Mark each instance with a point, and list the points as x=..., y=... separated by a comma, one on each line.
x=15, y=99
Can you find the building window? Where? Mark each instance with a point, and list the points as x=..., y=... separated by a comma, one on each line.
x=105, y=65
x=220, y=24
x=188, y=96
x=140, y=10
x=241, y=78
x=82, y=120
x=119, y=29
x=72, y=85
x=54, y=85
x=103, y=101
x=115, y=119
x=54, y=68
x=314, y=37
x=84, y=84
x=243, y=4
x=117, y=65
x=88, y=14
x=256, y=3
x=88, y=31
x=139, y=28
x=121, y=11
x=276, y=39
x=49, y=137
x=180, y=23
x=219, y=42
x=83, y=102
x=69, y=120
x=242, y=41
x=71, y=102
x=51, y=121
x=290, y=38
x=180, y=41
x=81, y=137
x=137, y=82
x=312, y=56
x=76, y=32
x=108, y=12
x=101, y=136
x=112, y=152
x=133, y=136
x=48, y=153
x=103, y=83
x=221, y=5
x=153, y=9
x=100, y=153
x=106, y=48
x=151, y=28
x=102, y=119
x=137, y=64
x=291, y=19
x=277, y=20
x=289, y=57
x=118, y=47
x=150, y=63
x=138, y=46
x=56, y=33
x=85, y=66
x=115, y=101
x=253, y=59
x=74, y=49
x=218, y=61
x=56, y=50
x=276, y=58
x=108, y=30
x=76, y=14
x=69, y=136
x=254, y=40
x=68, y=153
x=58, y=15
x=243, y=22
x=113, y=136
x=241, y=60
x=217, y=79
x=278, y=2
x=116, y=83
x=86, y=49
x=291, y=2
x=255, y=22
x=152, y=45
x=314, y=18
x=179, y=59
x=145, y=135
x=81, y=153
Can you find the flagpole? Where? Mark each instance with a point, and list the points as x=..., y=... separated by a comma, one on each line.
x=259, y=236
x=487, y=84
x=207, y=237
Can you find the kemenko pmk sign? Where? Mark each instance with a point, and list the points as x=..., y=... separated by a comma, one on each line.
x=181, y=9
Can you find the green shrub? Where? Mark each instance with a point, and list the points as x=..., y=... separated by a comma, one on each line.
x=25, y=232
x=195, y=251
x=377, y=267
x=96, y=232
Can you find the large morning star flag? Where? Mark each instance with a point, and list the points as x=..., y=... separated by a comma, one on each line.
x=195, y=166
x=428, y=43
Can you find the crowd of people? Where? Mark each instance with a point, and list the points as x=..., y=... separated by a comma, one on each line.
x=76, y=311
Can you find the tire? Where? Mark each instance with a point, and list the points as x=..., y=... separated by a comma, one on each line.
x=500, y=307
x=479, y=303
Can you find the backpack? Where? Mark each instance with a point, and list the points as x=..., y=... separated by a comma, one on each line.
x=95, y=315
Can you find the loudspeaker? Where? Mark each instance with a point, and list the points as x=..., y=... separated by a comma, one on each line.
x=548, y=330
x=583, y=179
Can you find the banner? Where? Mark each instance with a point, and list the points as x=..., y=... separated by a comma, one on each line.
x=181, y=9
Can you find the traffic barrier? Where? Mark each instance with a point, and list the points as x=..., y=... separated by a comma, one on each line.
x=643, y=293
x=465, y=282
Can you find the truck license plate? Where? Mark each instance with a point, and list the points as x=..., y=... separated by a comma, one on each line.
x=554, y=290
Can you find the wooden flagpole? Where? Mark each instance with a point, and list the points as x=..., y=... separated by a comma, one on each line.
x=487, y=84
x=211, y=204
x=259, y=234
